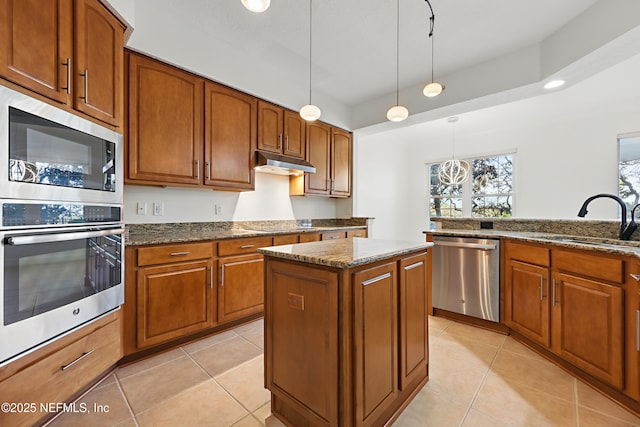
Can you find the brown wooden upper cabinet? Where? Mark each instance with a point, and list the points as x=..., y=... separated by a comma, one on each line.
x=165, y=141
x=230, y=138
x=188, y=131
x=281, y=131
x=70, y=51
x=329, y=150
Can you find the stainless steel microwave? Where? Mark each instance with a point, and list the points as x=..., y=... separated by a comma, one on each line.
x=50, y=154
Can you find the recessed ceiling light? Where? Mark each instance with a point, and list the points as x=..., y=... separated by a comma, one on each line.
x=554, y=84
x=257, y=6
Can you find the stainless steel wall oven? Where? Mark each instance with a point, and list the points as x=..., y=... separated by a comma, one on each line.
x=61, y=225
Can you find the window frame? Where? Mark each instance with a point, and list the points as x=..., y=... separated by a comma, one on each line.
x=466, y=193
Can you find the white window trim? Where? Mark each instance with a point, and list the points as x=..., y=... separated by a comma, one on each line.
x=466, y=187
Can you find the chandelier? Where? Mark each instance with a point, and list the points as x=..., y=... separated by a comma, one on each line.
x=454, y=171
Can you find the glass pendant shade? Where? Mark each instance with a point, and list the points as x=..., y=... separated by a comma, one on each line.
x=397, y=113
x=452, y=172
x=432, y=89
x=256, y=6
x=310, y=112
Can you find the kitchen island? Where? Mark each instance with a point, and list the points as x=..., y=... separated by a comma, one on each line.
x=346, y=339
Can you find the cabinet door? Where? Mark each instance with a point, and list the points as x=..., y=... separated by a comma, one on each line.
x=36, y=45
x=318, y=152
x=588, y=327
x=375, y=335
x=165, y=123
x=302, y=340
x=414, y=355
x=270, y=127
x=99, y=59
x=241, y=290
x=527, y=300
x=230, y=138
x=295, y=131
x=340, y=163
x=174, y=300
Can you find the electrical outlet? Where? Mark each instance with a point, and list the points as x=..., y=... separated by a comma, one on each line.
x=218, y=209
x=158, y=209
x=142, y=208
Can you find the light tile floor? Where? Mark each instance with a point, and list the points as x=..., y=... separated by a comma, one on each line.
x=477, y=378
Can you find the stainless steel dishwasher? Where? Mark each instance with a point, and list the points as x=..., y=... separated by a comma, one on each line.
x=466, y=276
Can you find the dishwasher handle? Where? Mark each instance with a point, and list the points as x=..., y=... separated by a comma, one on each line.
x=481, y=246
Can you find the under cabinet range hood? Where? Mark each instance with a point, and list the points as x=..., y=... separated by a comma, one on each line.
x=282, y=165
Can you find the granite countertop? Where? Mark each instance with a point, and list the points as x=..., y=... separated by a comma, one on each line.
x=613, y=246
x=344, y=253
x=159, y=235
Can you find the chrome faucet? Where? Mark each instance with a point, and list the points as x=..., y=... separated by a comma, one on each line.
x=625, y=231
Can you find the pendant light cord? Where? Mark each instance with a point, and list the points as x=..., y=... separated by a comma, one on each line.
x=398, y=52
x=310, y=45
x=432, y=21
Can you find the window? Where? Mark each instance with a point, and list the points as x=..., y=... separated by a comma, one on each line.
x=488, y=192
x=629, y=168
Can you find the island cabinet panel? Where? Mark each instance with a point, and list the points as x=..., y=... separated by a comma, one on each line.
x=230, y=138
x=174, y=300
x=375, y=335
x=414, y=356
x=162, y=150
x=588, y=320
x=527, y=307
x=304, y=303
x=241, y=286
x=344, y=346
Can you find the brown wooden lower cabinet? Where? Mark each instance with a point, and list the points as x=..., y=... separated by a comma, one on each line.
x=345, y=347
x=241, y=286
x=59, y=372
x=573, y=303
x=174, y=300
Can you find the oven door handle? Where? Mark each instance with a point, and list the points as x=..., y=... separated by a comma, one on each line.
x=60, y=237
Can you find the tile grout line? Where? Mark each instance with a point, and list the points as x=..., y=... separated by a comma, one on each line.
x=126, y=400
x=249, y=412
x=484, y=377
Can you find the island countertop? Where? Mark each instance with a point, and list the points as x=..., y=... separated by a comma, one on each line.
x=344, y=253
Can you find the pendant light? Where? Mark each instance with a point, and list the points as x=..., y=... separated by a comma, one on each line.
x=434, y=88
x=310, y=112
x=257, y=6
x=397, y=113
x=453, y=172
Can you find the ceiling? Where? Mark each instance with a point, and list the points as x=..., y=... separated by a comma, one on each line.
x=491, y=50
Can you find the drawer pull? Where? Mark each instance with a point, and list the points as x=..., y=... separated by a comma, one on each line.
x=246, y=246
x=222, y=276
x=376, y=279
x=412, y=266
x=180, y=253
x=635, y=277
x=68, y=365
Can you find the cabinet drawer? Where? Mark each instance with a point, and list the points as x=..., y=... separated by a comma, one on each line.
x=528, y=253
x=588, y=265
x=242, y=246
x=357, y=233
x=285, y=240
x=60, y=375
x=174, y=253
x=309, y=237
x=332, y=235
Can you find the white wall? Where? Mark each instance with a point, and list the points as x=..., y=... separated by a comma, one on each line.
x=269, y=201
x=381, y=176
x=565, y=143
